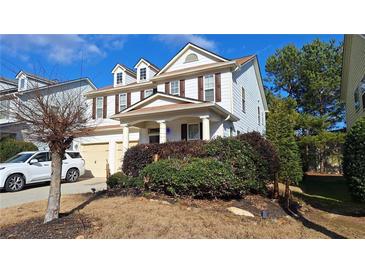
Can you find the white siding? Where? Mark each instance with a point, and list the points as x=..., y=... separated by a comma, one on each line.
x=129, y=79
x=245, y=77
x=4, y=85
x=203, y=59
x=135, y=97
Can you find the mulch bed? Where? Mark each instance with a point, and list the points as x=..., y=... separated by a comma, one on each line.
x=68, y=227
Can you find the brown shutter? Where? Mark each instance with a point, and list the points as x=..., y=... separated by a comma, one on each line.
x=116, y=103
x=142, y=94
x=184, y=132
x=201, y=131
x=218, y=96
x=200, y=88
x=129, y=99
x=94, y=108
x=105, y=104
x=363, y=101
x=167, y=87
x=182, y=88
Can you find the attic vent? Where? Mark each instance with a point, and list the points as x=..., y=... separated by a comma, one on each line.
x=192, y=57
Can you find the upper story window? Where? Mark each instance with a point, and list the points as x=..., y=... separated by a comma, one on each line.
x=192, y=57
x=209, y=87
x=119, y=78
x=4, y=109
x=175, y=88
x=142, y=74
x=148, y=92
x=122, y=101
x=243, y=98
x=360, y=93
x=99, y=107
x=22, y=83
x=357, y=99
x=259, y=116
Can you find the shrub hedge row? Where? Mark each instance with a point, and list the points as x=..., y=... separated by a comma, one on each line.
x=10, y=147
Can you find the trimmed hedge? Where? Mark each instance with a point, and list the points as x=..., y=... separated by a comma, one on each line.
x=196, y=177
x=269, y=166
x=137, y=157
x=354, y=159
x=10, y=147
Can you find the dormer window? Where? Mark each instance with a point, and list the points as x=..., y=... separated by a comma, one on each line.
x=119, y=78
x=192, y=57
x=22, y=83
x=142, y=74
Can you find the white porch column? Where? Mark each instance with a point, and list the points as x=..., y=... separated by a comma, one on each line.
x=206, y=127
x=111, y=156
x=162, y=131
x=125, y=138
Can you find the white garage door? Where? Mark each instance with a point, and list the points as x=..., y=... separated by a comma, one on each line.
x=95, y=156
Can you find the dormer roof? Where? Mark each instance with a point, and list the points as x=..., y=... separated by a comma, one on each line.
x=125, y=68
x=148, y=63
x=36, y=77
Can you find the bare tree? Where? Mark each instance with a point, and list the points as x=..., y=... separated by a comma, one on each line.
x=54, y=118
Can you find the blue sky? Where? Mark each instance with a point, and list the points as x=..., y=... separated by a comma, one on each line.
x=66, y=57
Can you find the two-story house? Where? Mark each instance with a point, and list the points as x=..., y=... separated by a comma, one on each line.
x=353, y=77
x=24, y=84
x=196, y=95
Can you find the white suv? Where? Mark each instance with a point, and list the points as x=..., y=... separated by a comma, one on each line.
x=35, y=166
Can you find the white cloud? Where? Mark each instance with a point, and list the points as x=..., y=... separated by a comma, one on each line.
x=181, y=39
x=60, y=49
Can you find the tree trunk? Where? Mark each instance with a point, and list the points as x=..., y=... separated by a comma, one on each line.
x=276, y=187
x=287, y=194
x=53, y=207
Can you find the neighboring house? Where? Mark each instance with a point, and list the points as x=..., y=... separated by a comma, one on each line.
x=24, y=84
x=196, y=95
x=353, y=78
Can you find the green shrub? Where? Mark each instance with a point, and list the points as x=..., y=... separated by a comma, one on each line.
x=10, y=147
x=268, y=165
x=137, y=157
x=120, y=180
x=239, y=154
x=196, y=177
x=354, y=159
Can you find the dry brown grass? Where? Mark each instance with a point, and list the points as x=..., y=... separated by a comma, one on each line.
x=138, y=217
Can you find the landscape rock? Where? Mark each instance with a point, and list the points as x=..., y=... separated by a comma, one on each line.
x=240, y=212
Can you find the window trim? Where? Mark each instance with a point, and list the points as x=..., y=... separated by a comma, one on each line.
x=188, y=131
x=204, y=89
x=120, y=101
x=178, y=87
x=96, y=107
x=116, y=78
x=259, y=115
x=145, y=92
x=243, y=100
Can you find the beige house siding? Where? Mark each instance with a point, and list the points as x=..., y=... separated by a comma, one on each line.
x=353, y=73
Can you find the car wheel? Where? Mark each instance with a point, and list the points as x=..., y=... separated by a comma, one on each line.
x=14, y=183
x=72, y=175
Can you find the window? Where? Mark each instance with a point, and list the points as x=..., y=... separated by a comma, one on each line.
x=142, y=74
x=148, y=92
x=243, y=95
x=192, y=57
x=74, y=155
x=175, y=88
x=99, y=107
x=42, y=157
x=258, y=115
x=4, y=109
x=193, y=131
x=119, y=78
x=209, y=87
x=154, y=135
x=122, y=101
x=357, y=99
x=22, y=83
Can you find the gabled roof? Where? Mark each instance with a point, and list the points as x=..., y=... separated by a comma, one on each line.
x=148, y=63
x=125, y=68
x=36, y=77
x=8, y=81
x=197, y=48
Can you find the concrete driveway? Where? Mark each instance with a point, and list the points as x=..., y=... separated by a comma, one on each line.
x=40, y=192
